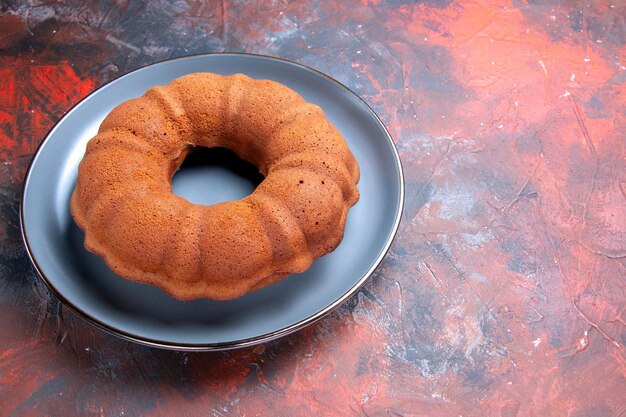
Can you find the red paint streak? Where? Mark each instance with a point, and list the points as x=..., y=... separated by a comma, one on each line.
x=33, y=97
x=8, y=138
x=516, y=75
x=17, y=359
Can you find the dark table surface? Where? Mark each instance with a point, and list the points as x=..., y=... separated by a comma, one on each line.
x=504, y=292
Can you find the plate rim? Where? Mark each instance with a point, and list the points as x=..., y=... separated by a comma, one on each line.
x=219, y=346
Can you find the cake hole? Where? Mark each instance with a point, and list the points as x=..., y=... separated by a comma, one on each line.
x=213, y=175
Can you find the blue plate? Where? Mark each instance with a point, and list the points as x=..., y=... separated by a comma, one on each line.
x=148, y=315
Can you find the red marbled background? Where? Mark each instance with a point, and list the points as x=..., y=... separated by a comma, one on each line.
x=504, y=293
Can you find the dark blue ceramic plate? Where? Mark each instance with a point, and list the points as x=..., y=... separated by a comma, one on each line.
x=147, y=315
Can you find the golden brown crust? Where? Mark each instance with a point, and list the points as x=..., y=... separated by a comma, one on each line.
x=124, y=202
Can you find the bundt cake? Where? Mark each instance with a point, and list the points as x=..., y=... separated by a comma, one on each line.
x=123, y=199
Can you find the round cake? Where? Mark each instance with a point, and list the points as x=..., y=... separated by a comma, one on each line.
x=124, y=203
